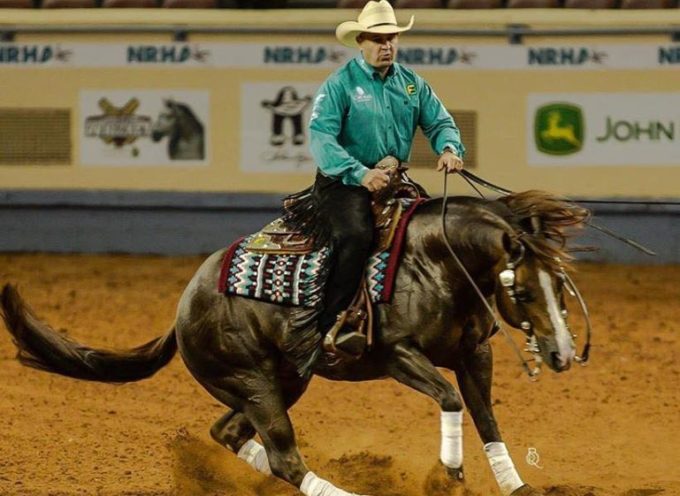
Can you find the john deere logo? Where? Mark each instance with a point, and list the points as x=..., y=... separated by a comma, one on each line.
x=558, y=129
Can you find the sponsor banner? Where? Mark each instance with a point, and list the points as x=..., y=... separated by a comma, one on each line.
x=274, y=127
x=238, y=55
x=145, y=127
x=634, y=129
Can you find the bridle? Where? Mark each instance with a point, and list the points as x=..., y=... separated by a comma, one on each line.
x=507, y=279
x=568, y=281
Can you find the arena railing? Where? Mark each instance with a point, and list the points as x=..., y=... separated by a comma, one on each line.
x=513, y=33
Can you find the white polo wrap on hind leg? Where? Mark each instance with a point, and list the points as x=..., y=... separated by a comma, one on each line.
x=503, y=468
x=254, y=454
x=451, y=453
x=316, y=486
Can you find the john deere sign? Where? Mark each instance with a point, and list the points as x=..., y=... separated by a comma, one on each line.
x=558, y=129
x=634, y=129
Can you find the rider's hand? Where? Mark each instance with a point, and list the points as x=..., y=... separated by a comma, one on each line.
x=375, y=180
x=449, y=161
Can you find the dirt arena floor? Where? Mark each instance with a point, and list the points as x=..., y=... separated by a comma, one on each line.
x=609, y=429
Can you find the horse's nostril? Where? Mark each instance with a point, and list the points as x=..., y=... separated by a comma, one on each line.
x=556, y=360
x=558, y=363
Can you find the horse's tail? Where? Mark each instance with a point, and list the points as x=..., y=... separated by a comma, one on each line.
x=41, y=347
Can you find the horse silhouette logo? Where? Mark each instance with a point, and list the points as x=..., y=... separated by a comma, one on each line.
x=184, y=131
x=287, y=107
x=559, y=129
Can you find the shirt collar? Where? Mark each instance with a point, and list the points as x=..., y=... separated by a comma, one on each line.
x=371, y=72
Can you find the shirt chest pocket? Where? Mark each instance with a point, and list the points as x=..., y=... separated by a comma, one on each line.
x=407, y=113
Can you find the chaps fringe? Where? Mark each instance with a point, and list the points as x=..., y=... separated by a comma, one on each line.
x=302, y=213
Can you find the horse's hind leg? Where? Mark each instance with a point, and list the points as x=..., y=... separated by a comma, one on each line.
x=265, y=411
x=234, y=431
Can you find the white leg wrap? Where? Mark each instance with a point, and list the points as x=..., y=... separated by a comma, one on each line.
x=316, y=486
x=503, y=468
x=253, y=454
x=451, y=453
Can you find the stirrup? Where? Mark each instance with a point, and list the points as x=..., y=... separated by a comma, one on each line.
x=349, y=345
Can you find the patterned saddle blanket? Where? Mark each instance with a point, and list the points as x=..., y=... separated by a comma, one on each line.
x=298, y=277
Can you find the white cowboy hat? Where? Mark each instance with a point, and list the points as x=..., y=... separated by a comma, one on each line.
x=376, y=17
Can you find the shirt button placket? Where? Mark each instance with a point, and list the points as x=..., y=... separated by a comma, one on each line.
x=390, y=119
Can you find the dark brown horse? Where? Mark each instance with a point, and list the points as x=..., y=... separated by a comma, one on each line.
x=233, y=346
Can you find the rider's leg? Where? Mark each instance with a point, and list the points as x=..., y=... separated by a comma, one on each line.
x=347, y=212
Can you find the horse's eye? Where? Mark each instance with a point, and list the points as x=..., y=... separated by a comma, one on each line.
x=524, y=296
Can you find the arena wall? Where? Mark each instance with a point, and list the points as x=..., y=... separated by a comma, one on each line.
x=83, y=91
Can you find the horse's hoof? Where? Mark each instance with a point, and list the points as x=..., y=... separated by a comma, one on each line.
x=455, y=473
x=526, y=490
x=444, y=481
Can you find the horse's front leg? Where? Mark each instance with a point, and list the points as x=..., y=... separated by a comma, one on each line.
x=474, y=373
x=412, y=368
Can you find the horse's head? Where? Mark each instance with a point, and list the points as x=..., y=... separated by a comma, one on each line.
x=166, y=121
x=529, y=296
x=531, y=276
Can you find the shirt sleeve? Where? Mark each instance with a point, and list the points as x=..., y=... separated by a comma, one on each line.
x=437, y=124
x=325, y=125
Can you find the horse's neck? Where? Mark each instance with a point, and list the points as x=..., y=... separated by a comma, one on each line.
x=189, y=130
x=474, y=235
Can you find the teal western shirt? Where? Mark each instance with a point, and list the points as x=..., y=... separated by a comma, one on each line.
x=358, y=118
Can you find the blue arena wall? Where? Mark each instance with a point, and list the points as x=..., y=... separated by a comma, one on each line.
x=181, y=223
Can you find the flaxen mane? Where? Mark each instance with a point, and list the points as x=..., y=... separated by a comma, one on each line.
x=546, y=222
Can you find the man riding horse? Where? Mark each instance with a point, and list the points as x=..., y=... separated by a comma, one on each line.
x=367, y=110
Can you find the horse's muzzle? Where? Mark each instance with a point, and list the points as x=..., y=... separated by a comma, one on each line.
x=559, y=363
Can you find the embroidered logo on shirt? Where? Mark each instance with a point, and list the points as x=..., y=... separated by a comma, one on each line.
x=361, y=96
x=411, y=89
x=315, y=108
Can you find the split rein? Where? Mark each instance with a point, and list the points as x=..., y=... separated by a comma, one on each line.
x=507, y=278
x=532, y=373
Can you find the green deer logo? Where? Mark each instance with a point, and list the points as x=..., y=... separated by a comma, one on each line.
x=558, y=129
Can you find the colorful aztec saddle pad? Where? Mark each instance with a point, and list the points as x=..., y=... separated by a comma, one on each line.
x=299, y=279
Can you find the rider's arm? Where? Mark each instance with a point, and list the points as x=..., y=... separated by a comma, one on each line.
x=325, y=125
x=437, y=124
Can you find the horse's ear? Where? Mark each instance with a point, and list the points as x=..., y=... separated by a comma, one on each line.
x=512, y=246
x=510, y=242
